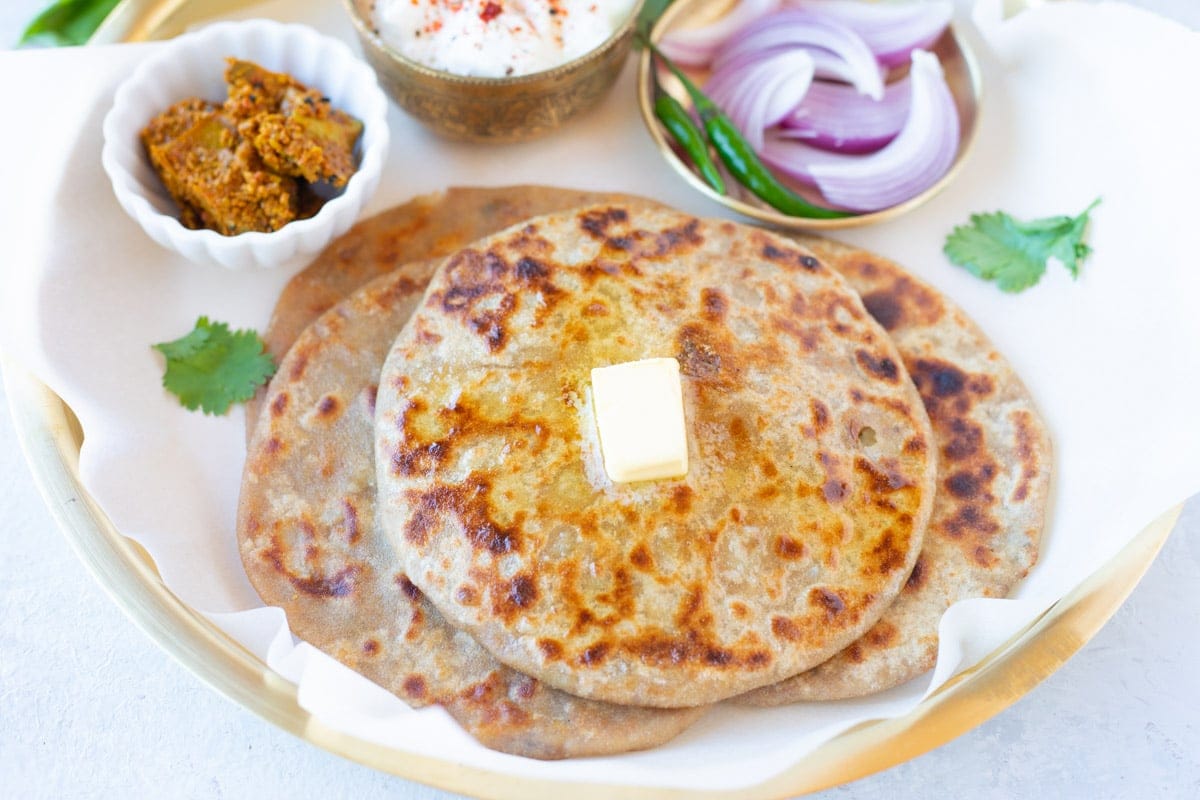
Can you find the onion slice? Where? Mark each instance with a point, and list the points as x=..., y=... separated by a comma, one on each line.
x=796, y=28
x=695, y=47
x=891, y=30
x=836, y=117
x=762, y=92
x=915, y=160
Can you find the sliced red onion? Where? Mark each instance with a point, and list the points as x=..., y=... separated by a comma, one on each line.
x=760, y=93
x=792, y=158
x=836, y=117
x=915, y=160
x=695, y=47
x=795, y=28
x=891, y=30
x=825, y=64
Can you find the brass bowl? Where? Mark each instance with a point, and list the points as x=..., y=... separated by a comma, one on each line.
x=493, y=109
x=962, y=76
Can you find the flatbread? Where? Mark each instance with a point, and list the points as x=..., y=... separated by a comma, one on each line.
x=309, y=544
x=428, y=226
x=811, y=477
x=993, y=480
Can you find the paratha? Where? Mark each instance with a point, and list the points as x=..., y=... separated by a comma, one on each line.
x=428, y=226
x=812, y=470
x=309, y=544
x=993, y=480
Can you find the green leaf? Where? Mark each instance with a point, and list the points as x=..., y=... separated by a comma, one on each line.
x=997, y=247
x=211, y=368
x=67, y=22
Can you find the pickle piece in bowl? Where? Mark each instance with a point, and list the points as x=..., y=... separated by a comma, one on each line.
x=272, y=152
x=217, y=179
x=293, y=127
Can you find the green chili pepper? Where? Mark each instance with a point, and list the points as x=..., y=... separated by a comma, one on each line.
x=739, y=157
x=678, y=121
x=651, y=11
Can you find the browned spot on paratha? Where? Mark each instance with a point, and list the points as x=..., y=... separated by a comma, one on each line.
x=880, y=367
x=328, y=407
x=408, y=587
x=469, y=505
x=788, y=547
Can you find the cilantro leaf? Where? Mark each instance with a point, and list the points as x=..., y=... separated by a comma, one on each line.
x=997, y=247
x=212, y=368
x=67, y=22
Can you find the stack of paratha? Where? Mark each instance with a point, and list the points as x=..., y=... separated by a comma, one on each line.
x=424, y=494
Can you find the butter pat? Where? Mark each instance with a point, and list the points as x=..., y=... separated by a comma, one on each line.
x=639, y=414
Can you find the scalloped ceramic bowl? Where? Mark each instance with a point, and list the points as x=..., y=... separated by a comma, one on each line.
x=193, y=65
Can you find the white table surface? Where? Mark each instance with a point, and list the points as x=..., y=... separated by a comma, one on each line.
x=1121, y=719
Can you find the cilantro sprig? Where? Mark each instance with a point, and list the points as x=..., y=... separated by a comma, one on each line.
x=67, y=22
x=212, y=367
x=1000, y=248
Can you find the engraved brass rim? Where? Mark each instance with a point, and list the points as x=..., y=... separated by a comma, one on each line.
x=50, y=438
x=962, y=75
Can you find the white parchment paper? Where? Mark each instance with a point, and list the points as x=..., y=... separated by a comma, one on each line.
x=1081, y=101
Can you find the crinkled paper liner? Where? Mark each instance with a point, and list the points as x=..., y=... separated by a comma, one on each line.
x=1080, y=101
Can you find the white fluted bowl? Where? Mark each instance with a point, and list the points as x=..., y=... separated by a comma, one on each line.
x=193, y=65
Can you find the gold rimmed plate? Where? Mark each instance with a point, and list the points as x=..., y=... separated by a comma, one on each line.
x=52, y=442
x=51, y=439
x=958, y=64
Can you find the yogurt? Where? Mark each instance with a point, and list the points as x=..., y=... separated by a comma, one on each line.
x=497, y=38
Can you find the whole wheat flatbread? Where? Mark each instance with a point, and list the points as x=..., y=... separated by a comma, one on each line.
x=309, y=544
x=993, y=480
x=923, y=323
x=791, y=532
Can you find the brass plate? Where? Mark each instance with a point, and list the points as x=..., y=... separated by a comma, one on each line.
x=51, y=438
x=962, y=76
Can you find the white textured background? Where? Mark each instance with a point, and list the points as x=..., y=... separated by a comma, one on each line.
x=1121, y=719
